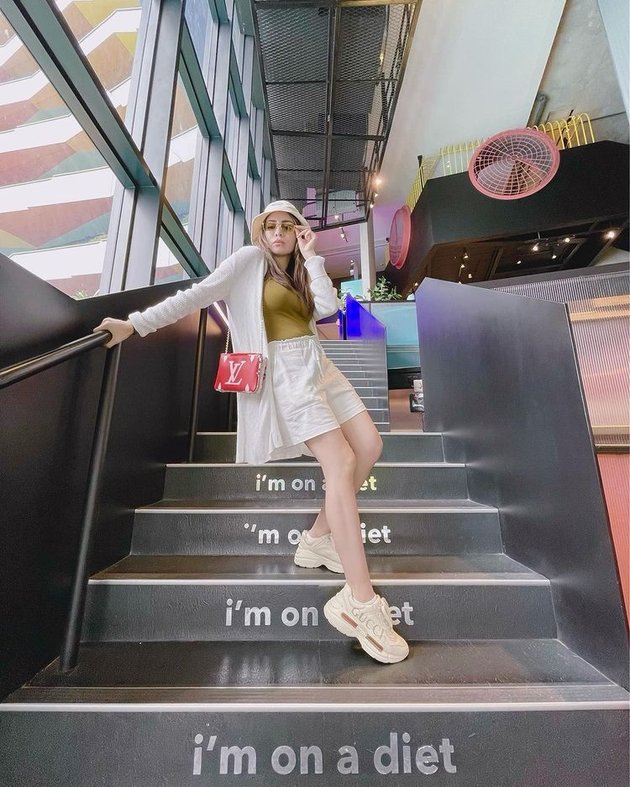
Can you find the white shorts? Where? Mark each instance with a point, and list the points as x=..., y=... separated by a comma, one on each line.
x=312, y=396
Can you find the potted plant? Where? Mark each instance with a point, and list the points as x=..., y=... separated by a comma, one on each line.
x=383, y=291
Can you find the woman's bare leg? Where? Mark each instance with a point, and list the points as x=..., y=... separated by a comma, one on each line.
x=367, y=445
x=338, y=462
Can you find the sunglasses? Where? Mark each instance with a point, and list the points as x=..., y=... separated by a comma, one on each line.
x=286, y=227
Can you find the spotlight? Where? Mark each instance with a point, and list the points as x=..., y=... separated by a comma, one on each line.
x=375, y=194
x=465, y=255
x=378, y=180
x=554, y=256
x=567, y=239
x=518, y=262
x=371, y=204
x=611, y=235
x=536, y=246
x=336, y=217
x=470, y=275
x=462, y=266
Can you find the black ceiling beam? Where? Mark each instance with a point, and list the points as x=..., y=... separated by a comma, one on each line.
x=327, y=3
x=333, y=134
x=333, y=40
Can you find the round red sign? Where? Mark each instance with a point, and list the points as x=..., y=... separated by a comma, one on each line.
x=399, y=237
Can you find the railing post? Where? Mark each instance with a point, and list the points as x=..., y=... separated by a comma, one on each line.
x=194, y=406
x=70, y=648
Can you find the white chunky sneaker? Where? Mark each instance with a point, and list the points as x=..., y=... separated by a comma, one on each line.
x=370, y=622
x=314, y=552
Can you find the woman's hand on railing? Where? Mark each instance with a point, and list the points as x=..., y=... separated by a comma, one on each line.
x=119, y=329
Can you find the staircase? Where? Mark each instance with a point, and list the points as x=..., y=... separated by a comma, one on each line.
x=206, y=658
x=365, y=365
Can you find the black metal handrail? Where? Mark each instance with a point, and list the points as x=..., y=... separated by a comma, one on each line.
x=20, y=371
x=39, y=363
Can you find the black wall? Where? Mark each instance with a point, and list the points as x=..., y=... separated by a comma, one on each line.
x=46, y=430
x=591, y=184
x=501, y=381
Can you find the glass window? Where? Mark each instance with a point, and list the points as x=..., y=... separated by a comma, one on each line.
x=167, y=266
x=226, y=230
x=229, y=5
x=107, y=33
x=238, y=42
x=185, y=137
x=55, y=188
x=249, y=201
x=199, y=23
x=232, y=126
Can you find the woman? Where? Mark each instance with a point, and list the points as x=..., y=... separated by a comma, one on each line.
x=274, y=291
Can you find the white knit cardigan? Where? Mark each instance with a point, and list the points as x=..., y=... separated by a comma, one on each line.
x=238, y=281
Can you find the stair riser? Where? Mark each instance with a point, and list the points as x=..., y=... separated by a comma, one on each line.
x=396, y=448
x=362, y=374
x=378, y=414
x=354, y=364
x=175, y=748
x=372, y=401
x=370, y=390
x=195, y=611
x=353, y=360
x=259, y=533
x=304, y=482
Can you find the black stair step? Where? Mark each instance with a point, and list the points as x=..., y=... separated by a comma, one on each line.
x=314, y=504
x=461, y=568
x=202, y=598
x=451, y=670
x=427, y=531
x=305, y=480
x=576, y=740
x=397, y=447
x=363, y=376
x=351, y=363
x=325, y=698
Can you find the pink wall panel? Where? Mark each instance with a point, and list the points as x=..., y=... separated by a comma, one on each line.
x=615, y=471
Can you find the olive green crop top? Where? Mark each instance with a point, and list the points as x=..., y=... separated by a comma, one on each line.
x=284, y=313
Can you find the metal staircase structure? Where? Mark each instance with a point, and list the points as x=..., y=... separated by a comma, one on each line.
x=365, y=365
x=205, y=654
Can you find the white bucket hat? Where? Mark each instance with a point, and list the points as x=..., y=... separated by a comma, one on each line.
x=279, y=205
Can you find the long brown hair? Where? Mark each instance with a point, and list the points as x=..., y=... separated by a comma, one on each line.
x=295, y=277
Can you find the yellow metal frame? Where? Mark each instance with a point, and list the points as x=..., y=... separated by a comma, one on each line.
x=576, y=130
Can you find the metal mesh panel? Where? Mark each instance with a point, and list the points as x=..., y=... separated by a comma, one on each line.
x=599, y=308
x=295, y=184
x=361, y=36
x=294, y=43
x=347, y=154
x=349, y=180
x=358, y=108
x=299, y=152
x=398, y=23
x=297, y=107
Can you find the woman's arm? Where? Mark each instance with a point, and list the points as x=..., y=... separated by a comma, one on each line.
x=324, y=293
x=214, y=287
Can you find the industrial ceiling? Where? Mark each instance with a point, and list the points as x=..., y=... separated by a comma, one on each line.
x=331, y=73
